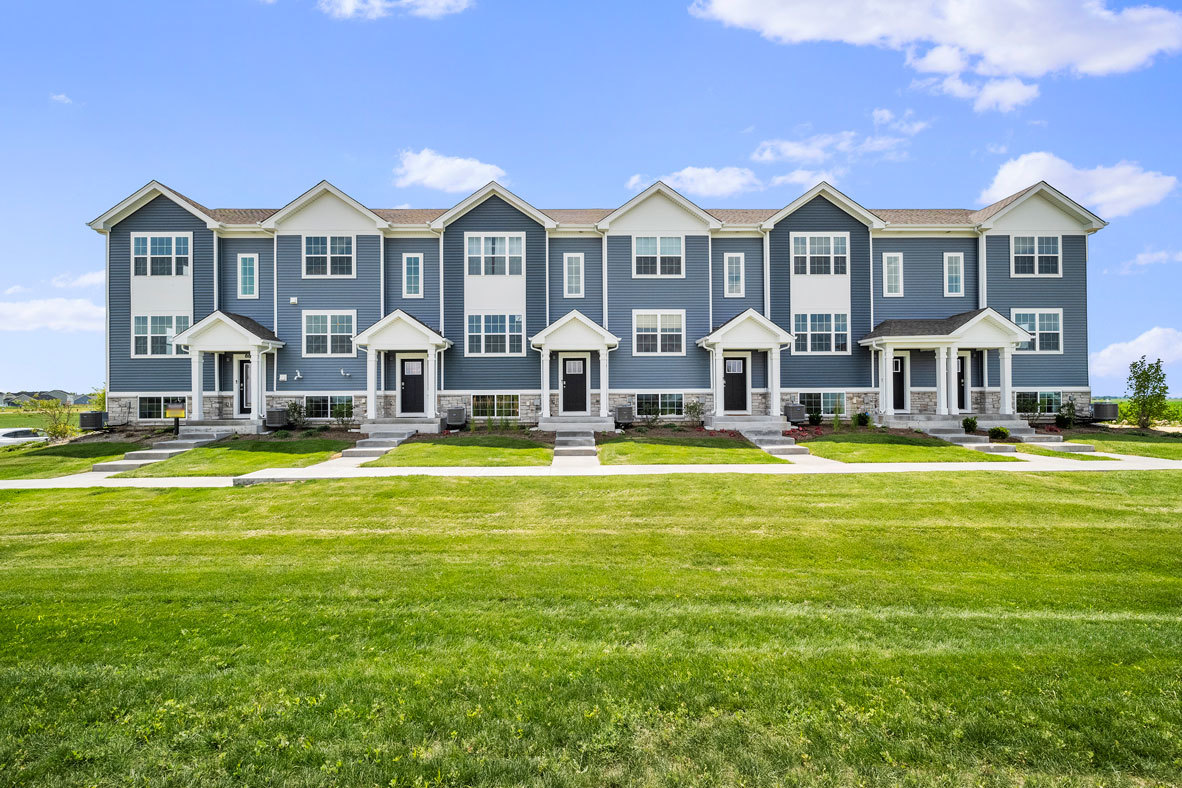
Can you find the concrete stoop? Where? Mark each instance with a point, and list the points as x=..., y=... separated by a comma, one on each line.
x=773, y=442
x=956, y=435
x=162, y=450
x=574, y=443
x=1071, y=448
x=761, y=423
x=994, y=448
x=410, y=424
x=378, y=444
x=557, y=424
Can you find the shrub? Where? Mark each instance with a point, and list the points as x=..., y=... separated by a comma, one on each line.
x=322, y=428
x=969, y=423
x=1147, y=392
x=862, y=419
x=281, y=435
x=1065, y=418
x=814, y=418
x=56, y=415
x=693, y=411
x=309, y=434
x=295, y=414
x=343, y=415
x=998, y=433
x=98, y=399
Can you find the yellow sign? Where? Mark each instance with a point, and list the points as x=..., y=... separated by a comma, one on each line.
x=174, y=412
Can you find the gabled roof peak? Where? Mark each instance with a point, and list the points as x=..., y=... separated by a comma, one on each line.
x=483, y=193
x=660, y=187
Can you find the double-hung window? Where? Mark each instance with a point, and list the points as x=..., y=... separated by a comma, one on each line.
x=892, y=274
x=1039, y=401
x=820, y=254
x=496, y=335
x=953, y=274
x=827, y=403
x=660, y=405
x=572, y=275
x=501, y=406
x=412, y=275
x=156, y=407
x=160, y=255
x=1046, y=326
x=658, y=333
x=733, y=270
x=328, y=256
x=329, y=334
x=152, y=334
x=496, y=255
x=1035, y=255
x=329, y=407
x=821, y=333
x=248, y=271
x=657, y=256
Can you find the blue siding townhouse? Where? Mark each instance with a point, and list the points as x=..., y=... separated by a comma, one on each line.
x=516, y=312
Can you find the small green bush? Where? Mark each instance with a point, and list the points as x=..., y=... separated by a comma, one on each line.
x=998, y=433
x=295, y=414
x=815, y=419
x=309, y=433
x=862, y=419
x=969, y=423
x=324, y=428
x=281, y=435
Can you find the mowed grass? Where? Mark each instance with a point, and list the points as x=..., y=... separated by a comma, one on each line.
x=43, y=462
x=1042, y=451
x=232, y=457
x=902, y=629
x=1135, y=442
x=18, y=417
x=632, y=449
x=466, y=450
x=870, y=446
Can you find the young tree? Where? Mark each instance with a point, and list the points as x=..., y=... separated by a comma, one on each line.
x=1147, y=392
x=56, y=415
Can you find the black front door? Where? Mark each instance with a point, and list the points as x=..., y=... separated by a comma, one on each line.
x=899, y=389
x=960, y=373
x=411, y=385
x=244, y=386
x=574, y=385
x=734, y=384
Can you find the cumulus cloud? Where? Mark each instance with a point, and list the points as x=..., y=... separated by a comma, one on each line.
x=1004, y=95
x=90, y=279
x=60, y=98
x=703, y=181
x=1111, y=191
x=51, y=314
x=446, y=173
x=16, y=290
x=1157, y=342
x=1144, y=259
x=376, y=9
x=904, y=124
x=807, y=178
x=823, y=147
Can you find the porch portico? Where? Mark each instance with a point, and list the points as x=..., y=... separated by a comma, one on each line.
x=242, y=337
x=578, y=336
x=731, y=344
x=416, y=348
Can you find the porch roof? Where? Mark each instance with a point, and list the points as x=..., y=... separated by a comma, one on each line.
x=574, y=331
x=400, y=330
x=978, y=328
x=221, y=331
x=748, y=330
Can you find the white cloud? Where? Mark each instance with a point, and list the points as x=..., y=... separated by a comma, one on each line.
x=711, y=182
x=90, y=279
x=996, y=40
x=1157, y=342
x=376, y=9
x=1144, y=259
x=637, y=182
x=1112, y=191
x=904, y=124
x=60, y=98
x=16, y=290
x=996, y=148
x=1004, y=95
x=446, y=173
x=51, y=314
x=822, y=147
x=808, y=178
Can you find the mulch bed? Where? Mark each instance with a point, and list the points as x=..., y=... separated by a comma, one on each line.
x=537, y=436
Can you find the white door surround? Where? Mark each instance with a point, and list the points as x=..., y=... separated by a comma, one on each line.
x=562, y=357
x=746, y=356
x=427, y=383
x=904, y=357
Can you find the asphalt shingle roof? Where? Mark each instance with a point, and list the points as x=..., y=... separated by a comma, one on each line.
x=931, y=327
x=253, y=326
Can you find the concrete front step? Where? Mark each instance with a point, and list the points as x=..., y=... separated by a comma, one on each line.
x=784, y=451
x=962, y=439
x=1071, y=448
x=154, y=454
x=994, y=448
x=223, y=427
x=366, y=452
x=1035, y=437
x=404, y=424
x=388, y=440
x=775, y=443
x=576, y=424
x=118, y=466
x=574, y=451
x=576, y=440
x=762, y=423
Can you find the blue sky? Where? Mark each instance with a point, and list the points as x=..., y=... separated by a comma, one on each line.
x=739, y=103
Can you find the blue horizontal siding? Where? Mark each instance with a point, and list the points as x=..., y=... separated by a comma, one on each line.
x=425, y=309
x=752, y=251
x=923, y=278
x=261, y=309
x=591, y=304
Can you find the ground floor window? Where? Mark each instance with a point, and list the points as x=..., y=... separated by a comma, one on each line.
x=498, y=406
x=659, y=405
x=155, y=407
x=1039, y=401
x=329, y=407
x=827, y=403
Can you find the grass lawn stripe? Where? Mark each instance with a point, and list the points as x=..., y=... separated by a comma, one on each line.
x=871, y=446
x=45, y=462
x=466, y=450
x=632, y=449
x=1135, y=442
x=1042, y=451
x=232, y=457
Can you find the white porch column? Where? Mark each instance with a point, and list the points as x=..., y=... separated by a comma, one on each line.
x=885, y=354
x=717, y=351
x=603, y=404
x=371, y=383
x=774, y=381
x=1007, y=355
x=953, y=384
x=258, y=371
x=431, y=406
x=941, y=381
x=545, y=384
x=198, y=385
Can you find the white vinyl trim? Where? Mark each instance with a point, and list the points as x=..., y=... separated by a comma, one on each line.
x=567, y=259
x=949, y=257
x=658, y=313
x=254, y=262
x=886, y=263
x=741, y=290
x=406, y=291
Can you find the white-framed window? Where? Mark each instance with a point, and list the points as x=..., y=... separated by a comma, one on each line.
x=953, y=274
x=657, y=256
x=822, y=333
x=412, y=275
x=892, y=274
x=827, y=403
x=495, y=254
x=660, y=405
x=328, y=406
x=155, y=407
x=733, y=269
x=151, y=335
x=820, y=254
x=1039, y=401
x=658, y=333
x=1045, y=324
x=328, y=257
x=495, y=406
x=329, y=334
x=161, y=254
x=1035, y=255
x=573, y=275
x=248, y=276
x=495, y=335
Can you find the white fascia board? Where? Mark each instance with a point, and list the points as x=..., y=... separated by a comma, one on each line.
x=1064, y=202
x=833, y=195
x=141, y=197
x=480, y=195
x=659, y=187
x=271, y=222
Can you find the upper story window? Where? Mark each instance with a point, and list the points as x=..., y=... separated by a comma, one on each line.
x=412, y=275
x=327, y=256
x=248, y=266
x=160, y=255
x=892, y=274
x=328, y=334
x=496, y=255
x=658, y=333
x=1035, y=255
x=496, y=335
x=572, y=275
x=953, y=274
x=1047, y=327
x=733, y=269
x=152, y=335
x=657, y=256
x=820, y=253
x=821, y=333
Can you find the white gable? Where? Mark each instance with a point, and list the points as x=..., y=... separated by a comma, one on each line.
x=218, y=337
x=1039, y=215
x=749, y=330
x=658, y=213
x=399, y=335
x=326, y=213
x=575, y=335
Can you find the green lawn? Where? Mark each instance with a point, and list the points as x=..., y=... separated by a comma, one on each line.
x=467, y=450
x=872, y=446
x=1136, y=442
x=995, y=629
x=16, y=417
x=43, y=462
x=235, y=457
x=1032, y=448
x=634, y=449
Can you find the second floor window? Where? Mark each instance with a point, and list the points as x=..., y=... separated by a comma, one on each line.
x=328, y=334
x=821, y=333
x=496, y=335
x=658, y=333
x=248, y=276
x=734, y=275
x=1046, y=328
x=819, y=255
x=412, y=276
x=496, y=255
x=572, y=275
x=1036, y=255
x=328, y=255
x=953, y=274
x=160, y=255
x=152, y=334
x=657, y=255
x=892, y=274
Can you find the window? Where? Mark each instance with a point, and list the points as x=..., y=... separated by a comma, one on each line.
x=1039, y=401
x=656, y=255
x=658, y=333
x=329, y=407
x=733, y=268
x=820, y=254
x=412, y=276
x=328, y=334
x=160, y=255
x=892, y=275
x=328, y=256
x=496, y=255
x=155, y=407
x=821, y=333
x=152, y=334
x=1045, y=325
x=953, y=274
x=248, y=265
x=659, y=405
x=496, y=335
x=1035, y=255
x=495, y=406
x=827, y=403
x=572, y=275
